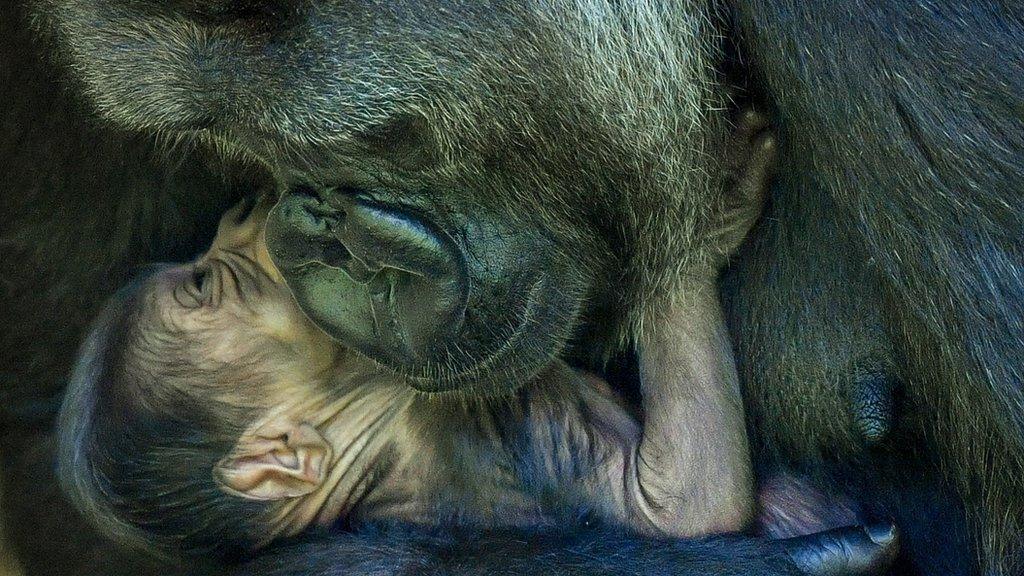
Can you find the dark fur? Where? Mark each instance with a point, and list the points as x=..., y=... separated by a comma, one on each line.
x=62, y=178
x=892, y=244
x=587, y=552
x=913, y=199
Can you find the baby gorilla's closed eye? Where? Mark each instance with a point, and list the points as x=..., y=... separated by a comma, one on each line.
x=199, y=278
x=195, y=289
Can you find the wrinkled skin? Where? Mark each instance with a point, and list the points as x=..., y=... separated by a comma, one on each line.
x=461, y=138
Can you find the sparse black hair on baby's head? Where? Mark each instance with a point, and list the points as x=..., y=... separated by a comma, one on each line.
x=139, y=438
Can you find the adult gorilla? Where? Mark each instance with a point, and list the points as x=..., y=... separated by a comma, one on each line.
x=884, y=281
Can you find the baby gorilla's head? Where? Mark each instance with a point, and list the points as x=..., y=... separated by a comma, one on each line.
x=171, y=379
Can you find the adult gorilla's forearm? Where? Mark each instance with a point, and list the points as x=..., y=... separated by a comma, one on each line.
x=595, y=552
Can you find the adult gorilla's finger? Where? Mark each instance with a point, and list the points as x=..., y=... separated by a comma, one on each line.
x=853, y=551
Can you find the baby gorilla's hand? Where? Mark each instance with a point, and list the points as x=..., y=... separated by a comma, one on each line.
x=749, y=168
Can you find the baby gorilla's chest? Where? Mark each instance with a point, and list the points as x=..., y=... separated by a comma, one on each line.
x=471, y=475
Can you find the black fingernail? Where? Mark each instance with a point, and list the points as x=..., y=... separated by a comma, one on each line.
x=881, y=534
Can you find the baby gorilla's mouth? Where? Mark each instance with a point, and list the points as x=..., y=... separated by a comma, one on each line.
x=245, y=209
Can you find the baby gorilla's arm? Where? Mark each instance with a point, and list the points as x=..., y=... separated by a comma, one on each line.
x=691, y=474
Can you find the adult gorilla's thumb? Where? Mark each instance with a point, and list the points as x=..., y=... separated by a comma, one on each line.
x=853, y=551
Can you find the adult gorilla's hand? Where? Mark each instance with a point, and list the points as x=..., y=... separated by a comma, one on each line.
x=845, y=551
x=853, y=551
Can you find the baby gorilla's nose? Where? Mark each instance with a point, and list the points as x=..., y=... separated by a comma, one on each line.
x=377, y=278
x=240, y=226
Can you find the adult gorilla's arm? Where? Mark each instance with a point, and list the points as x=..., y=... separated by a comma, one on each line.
x=844, y=552
x=905, y=119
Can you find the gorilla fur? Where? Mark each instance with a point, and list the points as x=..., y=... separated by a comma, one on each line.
x=911, y=208
x=892, y=243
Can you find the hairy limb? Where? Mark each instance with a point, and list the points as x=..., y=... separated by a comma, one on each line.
x=692, y=473
x=845, y=552
x=920, y=162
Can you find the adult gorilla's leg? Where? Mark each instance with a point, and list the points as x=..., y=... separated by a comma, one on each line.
x=902, y=130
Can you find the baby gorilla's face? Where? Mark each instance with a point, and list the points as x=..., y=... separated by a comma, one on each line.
x=208, y=388
x=244, y=343
x=232, y=308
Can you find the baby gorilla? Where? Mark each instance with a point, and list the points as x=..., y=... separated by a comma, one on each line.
x=205, y=393
x=208, y=413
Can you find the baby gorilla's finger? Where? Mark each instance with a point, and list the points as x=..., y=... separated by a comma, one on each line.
x=752, y=185
x=750, y=122
x=853, y=551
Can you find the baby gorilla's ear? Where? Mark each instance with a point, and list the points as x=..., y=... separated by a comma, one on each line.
x=275, y=462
